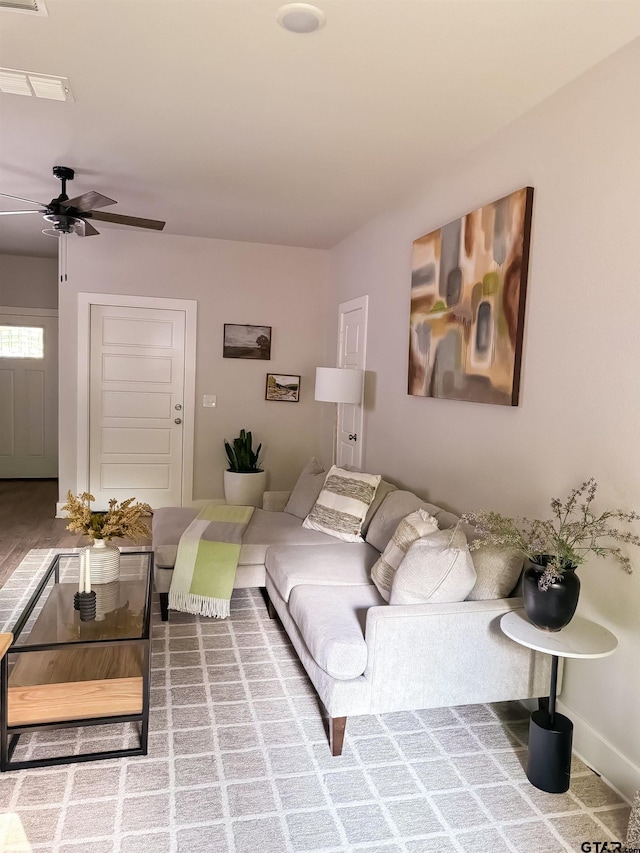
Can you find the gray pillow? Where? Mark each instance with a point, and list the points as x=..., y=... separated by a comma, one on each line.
x=436, y=568
x=498, y=569
x=307, y=490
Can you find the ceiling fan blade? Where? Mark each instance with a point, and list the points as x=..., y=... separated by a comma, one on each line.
x=14, y=212
x=88, y=201
x=136, y=221
x=84, y=228
x=19, y=198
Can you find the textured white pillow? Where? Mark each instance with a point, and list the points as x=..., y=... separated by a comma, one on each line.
x=343, y=503
x=436, y=568
x=414, y=526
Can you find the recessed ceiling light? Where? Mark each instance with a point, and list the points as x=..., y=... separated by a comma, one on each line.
x=301, y=17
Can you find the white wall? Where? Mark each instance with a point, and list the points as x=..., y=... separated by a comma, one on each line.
x=580, y=392
x=285, y=288
x=27, y=282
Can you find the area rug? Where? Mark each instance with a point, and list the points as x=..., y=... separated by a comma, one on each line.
x=239, y=762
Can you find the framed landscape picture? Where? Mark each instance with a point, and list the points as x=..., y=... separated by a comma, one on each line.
x=283, y=387
x=242, y=341
x=468, y=287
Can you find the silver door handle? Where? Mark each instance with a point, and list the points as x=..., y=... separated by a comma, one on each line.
x=177, y=407
x=178, y=421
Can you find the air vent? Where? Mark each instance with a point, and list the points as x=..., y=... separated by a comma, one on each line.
x=31, y=7
x=28, y=83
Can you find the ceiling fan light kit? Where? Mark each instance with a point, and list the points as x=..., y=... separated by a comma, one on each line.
x=70, y=216
x=301, y=17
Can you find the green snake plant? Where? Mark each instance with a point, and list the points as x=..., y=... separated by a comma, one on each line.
x=242, y=458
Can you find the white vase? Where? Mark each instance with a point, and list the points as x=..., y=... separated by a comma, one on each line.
x=245, y=489
x=103, y=561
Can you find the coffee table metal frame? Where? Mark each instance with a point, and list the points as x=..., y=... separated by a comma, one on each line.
x=10, y=735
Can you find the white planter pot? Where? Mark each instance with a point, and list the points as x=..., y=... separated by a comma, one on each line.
x=244, y=489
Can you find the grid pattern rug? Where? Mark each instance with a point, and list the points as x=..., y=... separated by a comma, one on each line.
x=239, y=761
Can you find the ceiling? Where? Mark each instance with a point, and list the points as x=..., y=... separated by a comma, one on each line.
x=205, y=113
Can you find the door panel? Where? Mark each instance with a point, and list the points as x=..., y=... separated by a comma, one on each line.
x=29, y=402
x=352, y=341
x=136, y=396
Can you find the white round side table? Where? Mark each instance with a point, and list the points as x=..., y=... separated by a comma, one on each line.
x=551, y=733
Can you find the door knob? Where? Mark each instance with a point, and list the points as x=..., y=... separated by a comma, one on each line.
x=353, y=437
x=178, y=421
x=178, y=407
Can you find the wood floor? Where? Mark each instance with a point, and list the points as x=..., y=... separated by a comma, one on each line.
x=27, y=520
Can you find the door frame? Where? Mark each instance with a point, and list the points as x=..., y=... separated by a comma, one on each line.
x=190, y=307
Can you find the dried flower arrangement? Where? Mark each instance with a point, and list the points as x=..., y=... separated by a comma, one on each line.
x=563, y=541
x=124, y=519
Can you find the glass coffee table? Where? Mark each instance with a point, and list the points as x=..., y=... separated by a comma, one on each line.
x=61, y=672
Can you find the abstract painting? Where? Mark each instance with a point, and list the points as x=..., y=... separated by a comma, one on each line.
x=246, y=341
x=468, y=289
x=283, y=387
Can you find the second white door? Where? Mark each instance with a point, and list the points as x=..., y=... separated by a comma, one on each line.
x=136, y=404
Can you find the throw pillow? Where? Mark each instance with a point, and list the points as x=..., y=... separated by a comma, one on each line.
x=306, y=490
x=498, y=569
x=415, y=525
x=436, y=568
x=342, y=504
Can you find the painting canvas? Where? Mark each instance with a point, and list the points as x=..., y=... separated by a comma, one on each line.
x=467, y=304
x=283, y=387
x=246, y=341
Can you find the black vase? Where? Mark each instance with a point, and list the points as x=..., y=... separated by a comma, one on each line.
x=553, y=608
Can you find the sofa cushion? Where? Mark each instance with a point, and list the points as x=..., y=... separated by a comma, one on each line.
x=396, y=506
x=436, y=568
x=306, y=490
x=497, y=569
x=343, y=504
x=381, y=492
x=343, y=564
x=415, y=525
x=331, y=622
x=264, y=529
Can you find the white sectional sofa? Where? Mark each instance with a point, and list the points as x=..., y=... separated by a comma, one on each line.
x=362, y=655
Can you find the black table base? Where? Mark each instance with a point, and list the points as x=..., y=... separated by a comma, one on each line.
x=550, y=740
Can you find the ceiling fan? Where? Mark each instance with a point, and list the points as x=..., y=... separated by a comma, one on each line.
x=72, y=215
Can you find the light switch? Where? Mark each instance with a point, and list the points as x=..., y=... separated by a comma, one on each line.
x=209, y=401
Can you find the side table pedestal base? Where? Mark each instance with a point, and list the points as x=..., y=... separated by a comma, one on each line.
x=549, y=765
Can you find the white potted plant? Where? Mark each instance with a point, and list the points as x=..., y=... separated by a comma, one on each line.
x=244, y=480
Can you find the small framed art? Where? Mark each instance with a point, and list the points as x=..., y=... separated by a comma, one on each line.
x=283, y=387
x=242, y=341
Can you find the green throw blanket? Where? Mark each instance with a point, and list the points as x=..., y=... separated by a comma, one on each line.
x=207, y=559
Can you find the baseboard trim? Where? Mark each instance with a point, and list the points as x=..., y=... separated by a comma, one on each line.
x=618, y=771
x=59, y=512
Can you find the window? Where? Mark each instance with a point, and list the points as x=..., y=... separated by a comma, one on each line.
x=21, y=342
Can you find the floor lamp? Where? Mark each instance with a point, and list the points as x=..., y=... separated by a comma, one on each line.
x=338, y=385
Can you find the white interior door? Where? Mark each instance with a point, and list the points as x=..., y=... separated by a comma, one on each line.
x=136, y=404
x=352, y=352
x=28, y=394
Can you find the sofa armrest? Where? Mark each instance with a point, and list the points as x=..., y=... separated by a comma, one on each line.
x=275, y=501
x=432, y=655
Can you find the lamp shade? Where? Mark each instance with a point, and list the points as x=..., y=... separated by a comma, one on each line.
x=339, y=384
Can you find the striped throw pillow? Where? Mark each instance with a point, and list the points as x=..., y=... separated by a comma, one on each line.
x=342, y=504
x=414, y=526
